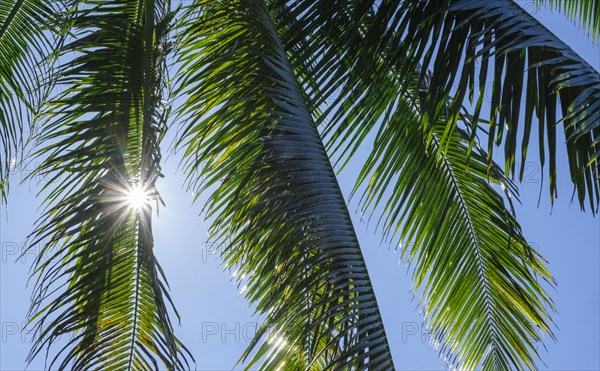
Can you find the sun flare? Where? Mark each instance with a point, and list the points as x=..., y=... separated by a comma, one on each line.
x=137, y=198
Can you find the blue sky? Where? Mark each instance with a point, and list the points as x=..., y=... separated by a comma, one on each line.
x=217, y=322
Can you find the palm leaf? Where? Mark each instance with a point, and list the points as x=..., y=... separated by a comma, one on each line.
x=477, y=275
x=25, y=27
x=586, y=13
x=97, y=278
x=279, y=212
x=523, y=64
x=461, y=45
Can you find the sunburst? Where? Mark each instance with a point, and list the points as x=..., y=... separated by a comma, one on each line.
x=138, y=198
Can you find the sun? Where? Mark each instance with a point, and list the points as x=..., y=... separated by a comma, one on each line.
x=137, y=198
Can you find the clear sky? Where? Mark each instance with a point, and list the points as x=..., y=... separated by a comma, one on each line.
x=217, y=322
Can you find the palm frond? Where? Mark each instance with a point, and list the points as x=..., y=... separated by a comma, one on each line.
x=585, y=13
x=25, y=28
x=279, y=211
x=477, y=275
x=98, y=282
x=474, y=48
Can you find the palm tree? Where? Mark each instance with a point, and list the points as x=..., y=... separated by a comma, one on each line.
x=264, y=94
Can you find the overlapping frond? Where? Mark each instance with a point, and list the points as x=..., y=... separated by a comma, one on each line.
x=25, y=26
x=586, y=13
x=100, y=290
x=279, y=212
x=481, y=296
x=477, y=275
x=255, y=75
x=496, y=51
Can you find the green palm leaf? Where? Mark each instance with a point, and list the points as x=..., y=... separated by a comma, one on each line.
x=23, y=46
x=97, y=278
x=477, y=275
x=279, y=212
x=520, y=61
x=586, y=13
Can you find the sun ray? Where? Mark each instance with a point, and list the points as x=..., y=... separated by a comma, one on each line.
x=137, y=198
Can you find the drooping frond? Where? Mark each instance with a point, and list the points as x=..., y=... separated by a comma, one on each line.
x=477, y=275
x=477, y=49
x=99, y=285
x=25, y=26
x=279, y=211
x=586, y=13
